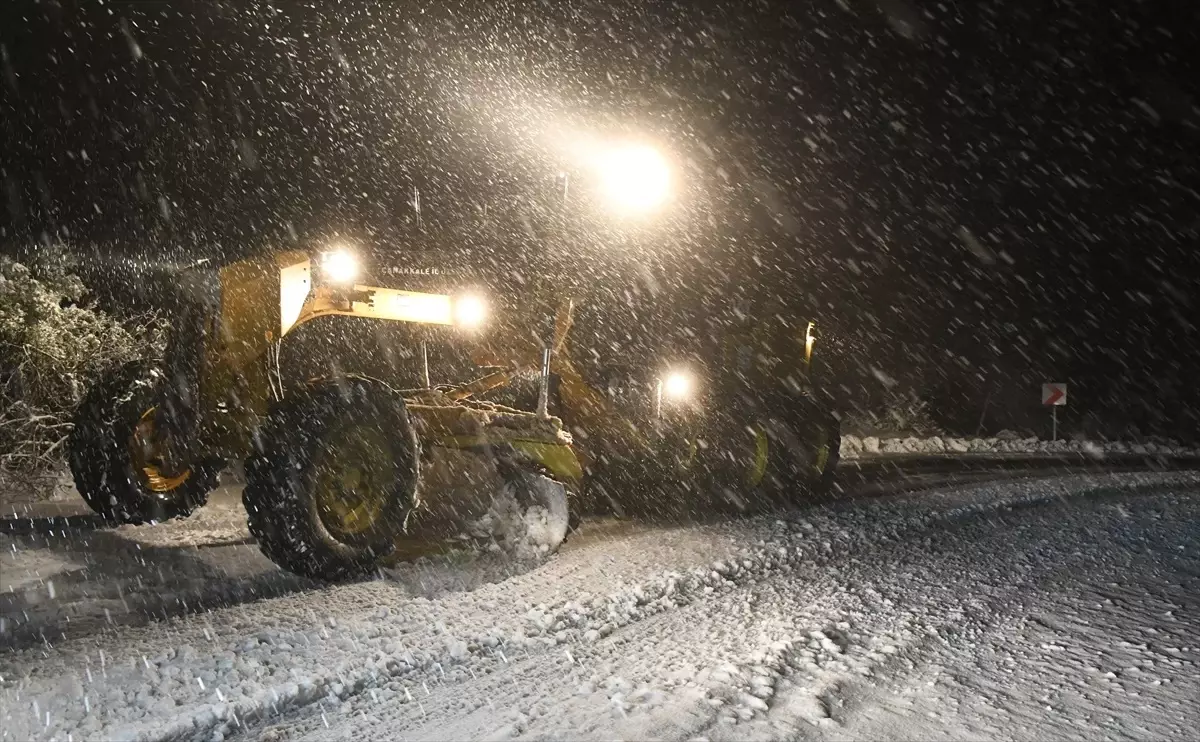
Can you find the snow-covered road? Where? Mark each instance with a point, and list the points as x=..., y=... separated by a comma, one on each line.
x=1024, y=608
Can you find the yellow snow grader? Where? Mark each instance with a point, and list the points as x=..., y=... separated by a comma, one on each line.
x=341, y=470
x=344, y=470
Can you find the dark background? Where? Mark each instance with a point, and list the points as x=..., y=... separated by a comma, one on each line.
x=972, y=198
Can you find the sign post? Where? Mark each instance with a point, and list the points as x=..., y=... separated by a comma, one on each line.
x=1054, y=395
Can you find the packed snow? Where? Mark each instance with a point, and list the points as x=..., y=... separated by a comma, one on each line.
x=1059, y=607
x=865, y=446
x=525, y=524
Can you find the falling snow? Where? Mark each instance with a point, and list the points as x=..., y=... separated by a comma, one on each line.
x=690, y=387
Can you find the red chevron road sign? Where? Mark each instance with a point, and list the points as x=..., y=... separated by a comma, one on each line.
x=1054, y=393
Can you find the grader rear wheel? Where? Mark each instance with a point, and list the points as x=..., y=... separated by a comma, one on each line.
x=801, y=452
x=787, y=459
x=147, y=452
x=334, y=478
x=118, y=454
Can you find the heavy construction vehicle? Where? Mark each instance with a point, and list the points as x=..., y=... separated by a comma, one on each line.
x=343, y=470
x=340, y=469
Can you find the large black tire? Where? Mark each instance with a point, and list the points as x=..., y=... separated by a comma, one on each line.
x=102, y=465
x=805, y=448
x=779, y=459
x=575, y=509
x=302, y=447
x=824, y=484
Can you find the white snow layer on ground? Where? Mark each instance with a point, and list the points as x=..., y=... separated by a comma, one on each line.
x=858, y=447
x=1036, y=608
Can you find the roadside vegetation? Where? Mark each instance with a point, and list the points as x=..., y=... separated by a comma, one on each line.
x=54, y=343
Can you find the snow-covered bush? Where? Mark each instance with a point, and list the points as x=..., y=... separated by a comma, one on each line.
x=902, y=414
x=52, y=347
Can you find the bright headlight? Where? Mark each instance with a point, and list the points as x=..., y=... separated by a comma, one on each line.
x=470, y=311
x=678, y=385
x=339, y=266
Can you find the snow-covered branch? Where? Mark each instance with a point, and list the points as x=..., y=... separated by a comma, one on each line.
x=52, y=347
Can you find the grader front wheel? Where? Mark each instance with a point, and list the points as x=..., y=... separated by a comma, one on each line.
x=333, y=479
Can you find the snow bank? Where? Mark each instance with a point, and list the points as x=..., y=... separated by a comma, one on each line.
x=854, y=447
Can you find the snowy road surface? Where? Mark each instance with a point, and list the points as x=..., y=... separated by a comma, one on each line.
x=1062, y=607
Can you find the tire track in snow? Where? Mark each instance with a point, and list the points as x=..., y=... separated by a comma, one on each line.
x=356, y=654
x=71, y=581
x=741, y=685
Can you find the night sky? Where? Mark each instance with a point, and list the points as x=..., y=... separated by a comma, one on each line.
x=973, y=198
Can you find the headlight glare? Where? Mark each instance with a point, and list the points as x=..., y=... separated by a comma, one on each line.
x=339, y=266
x=470, y=311
x=678, y=385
